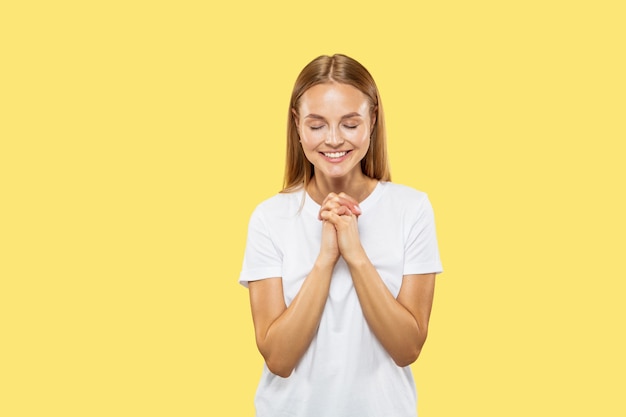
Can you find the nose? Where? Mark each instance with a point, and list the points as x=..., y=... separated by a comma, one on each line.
x=334, y=138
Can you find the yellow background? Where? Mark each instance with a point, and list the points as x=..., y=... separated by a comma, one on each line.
x=137, y=137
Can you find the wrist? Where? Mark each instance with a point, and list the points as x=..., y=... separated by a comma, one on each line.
x=356, y=257
x=325, y=262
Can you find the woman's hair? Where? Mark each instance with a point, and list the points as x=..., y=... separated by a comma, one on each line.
x=344, y=70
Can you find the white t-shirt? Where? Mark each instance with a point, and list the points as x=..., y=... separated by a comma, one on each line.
x=345, y=372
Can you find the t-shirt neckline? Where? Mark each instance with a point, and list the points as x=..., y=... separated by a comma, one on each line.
x=311, y=206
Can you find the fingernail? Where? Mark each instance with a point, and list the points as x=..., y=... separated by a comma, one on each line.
x=358, y=209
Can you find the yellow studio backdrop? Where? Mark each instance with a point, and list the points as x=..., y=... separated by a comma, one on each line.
x=137, y=137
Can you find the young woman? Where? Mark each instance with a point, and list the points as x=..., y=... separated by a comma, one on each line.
x=341, y=264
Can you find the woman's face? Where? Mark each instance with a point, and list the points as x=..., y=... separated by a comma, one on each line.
x=334, y=124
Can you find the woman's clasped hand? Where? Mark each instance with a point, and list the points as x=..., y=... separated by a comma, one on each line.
x=341, y=211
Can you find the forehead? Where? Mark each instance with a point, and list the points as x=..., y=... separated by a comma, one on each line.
x=333, y=98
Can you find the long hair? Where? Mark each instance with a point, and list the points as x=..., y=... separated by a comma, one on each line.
x=344, y=70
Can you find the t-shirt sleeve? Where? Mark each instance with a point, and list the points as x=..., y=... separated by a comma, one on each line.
x=421, y=249
x=261, y=258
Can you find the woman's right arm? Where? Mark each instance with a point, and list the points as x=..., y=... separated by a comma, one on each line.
x=284, y=333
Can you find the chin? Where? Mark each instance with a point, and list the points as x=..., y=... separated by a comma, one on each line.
x=334, y=174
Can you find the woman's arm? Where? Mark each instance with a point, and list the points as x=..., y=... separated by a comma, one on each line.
x=284, y=333
x=400, y=324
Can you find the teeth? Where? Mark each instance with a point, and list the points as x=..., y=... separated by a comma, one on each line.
x=334, y=154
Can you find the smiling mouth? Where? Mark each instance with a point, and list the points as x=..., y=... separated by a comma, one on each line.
x=335, y=155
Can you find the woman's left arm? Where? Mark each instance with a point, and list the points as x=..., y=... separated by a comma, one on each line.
x=401, y=323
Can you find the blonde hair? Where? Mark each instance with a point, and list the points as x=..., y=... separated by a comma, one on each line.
x=344, y=70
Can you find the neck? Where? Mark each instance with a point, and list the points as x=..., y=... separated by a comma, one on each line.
x=358, y=188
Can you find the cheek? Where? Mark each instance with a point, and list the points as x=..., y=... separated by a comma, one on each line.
x=307, y=146
x=365, y=141
x=310, y=139
x=358, y=136
x=309, y=149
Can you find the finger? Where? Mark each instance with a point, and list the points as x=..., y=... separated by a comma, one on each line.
x=328, y=206
x=337, y=216
x=343, y=211
x=329, y=197
x=341, y=198
x=351, y=203
x=333, y=200
x=330, y=217
x=347, y=197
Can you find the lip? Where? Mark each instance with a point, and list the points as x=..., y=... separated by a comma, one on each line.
x=336, y=156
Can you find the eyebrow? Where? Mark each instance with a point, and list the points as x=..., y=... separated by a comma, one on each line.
x=318, y=117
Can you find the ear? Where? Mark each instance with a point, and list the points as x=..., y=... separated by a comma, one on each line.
x=296, y=119
x=373, y=117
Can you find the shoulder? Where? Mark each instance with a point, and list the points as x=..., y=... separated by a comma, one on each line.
x=279, y=204
x=407, y=194
x=406, y=202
